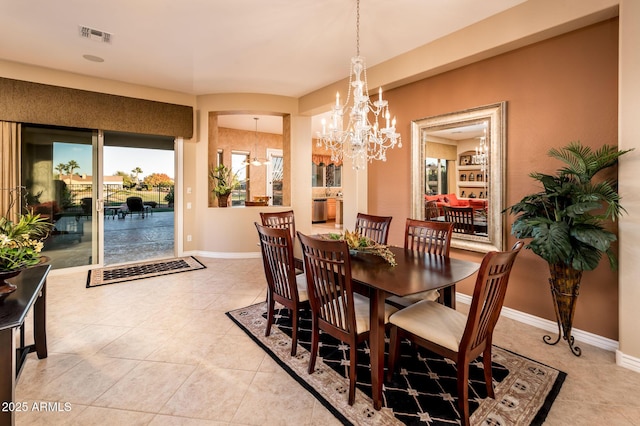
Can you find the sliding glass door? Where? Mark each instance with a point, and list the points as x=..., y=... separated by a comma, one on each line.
x=58, y=174
x=82, y=180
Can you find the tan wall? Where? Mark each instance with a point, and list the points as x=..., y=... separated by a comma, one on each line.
x=557, y=90
x=629, y=111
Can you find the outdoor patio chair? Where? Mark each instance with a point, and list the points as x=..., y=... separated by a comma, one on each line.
x=135, y=205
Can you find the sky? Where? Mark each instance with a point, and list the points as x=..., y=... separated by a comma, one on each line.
x=116, y=159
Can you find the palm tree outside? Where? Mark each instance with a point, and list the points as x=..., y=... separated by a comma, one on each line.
x=71, y=166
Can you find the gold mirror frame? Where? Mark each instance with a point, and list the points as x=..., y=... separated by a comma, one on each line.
x=495, y=115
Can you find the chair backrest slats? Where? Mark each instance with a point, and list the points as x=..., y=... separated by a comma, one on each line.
x=488, y=297
x=277, y=257
x=374, y=227
x=281, y=220
x=431, y=237
x=461, y=217
x=328, y=271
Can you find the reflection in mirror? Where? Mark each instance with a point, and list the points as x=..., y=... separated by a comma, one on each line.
x=458, y=165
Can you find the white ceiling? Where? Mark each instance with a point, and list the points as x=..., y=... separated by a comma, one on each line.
x=284, y=47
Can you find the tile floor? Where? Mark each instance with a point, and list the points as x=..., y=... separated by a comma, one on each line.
x=161, y=351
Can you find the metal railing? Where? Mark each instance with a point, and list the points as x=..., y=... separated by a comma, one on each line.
x=115, y=195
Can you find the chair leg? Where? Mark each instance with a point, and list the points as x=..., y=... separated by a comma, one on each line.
x=353, y=364
x=270, y=309
x=394, y=351
x=463, y=391
x=488, y=373
x=294, y=331
x=315, y=337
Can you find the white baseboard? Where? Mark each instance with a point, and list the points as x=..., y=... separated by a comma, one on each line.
x=627, y=361
x=225, y=255
x=551, y=326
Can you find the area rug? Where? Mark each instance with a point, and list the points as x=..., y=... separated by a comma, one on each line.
x=137, y=271
x=423, y=389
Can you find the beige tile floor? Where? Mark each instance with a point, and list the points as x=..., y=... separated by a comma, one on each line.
x=161, y=351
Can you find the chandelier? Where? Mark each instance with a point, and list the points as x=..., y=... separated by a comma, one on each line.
x=482, y=155
x=361, y=140
x=255, y=161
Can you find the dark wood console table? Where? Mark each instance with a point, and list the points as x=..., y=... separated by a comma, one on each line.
x=31, y=293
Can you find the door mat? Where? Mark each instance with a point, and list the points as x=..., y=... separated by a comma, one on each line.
x=424, y=389
x=137, y=271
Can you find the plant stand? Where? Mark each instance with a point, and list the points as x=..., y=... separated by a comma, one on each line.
x=565, y=286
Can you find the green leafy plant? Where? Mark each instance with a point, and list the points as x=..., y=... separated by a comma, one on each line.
x=565, y=221
x=224, y=180
x=21, y=242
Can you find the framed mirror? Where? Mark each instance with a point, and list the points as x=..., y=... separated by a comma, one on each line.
x=458, y=170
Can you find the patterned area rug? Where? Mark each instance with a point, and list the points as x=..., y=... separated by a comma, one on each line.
x=423, y=389
x=137, y=271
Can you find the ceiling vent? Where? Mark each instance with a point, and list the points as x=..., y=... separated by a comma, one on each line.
x=95, y=35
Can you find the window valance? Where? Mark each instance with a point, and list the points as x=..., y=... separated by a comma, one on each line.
x=36, y=103
x=324, y=159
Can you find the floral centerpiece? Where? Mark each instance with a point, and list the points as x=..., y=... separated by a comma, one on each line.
x=21, y=241
x=364, y=244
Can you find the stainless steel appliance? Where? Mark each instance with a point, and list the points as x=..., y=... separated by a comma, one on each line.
x=319, y=210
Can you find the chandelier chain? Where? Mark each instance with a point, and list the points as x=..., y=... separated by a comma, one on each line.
x=358, y=28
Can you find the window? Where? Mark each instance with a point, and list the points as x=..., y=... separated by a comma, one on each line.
x=239, y=166
x=436, y=181
x=334, y=175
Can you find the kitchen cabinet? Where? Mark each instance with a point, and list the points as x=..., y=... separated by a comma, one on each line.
x=331, y=208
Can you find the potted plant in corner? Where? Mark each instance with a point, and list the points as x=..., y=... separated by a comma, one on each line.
x=565, y=222
x=224, y=181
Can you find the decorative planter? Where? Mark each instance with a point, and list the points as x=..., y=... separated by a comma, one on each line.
x=222, y=200
x=565, y=286
x=6, y=288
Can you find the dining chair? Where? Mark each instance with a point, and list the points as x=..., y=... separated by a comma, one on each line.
x=454, y=335
x=284, y=220
x=374, y=227
x=431, y=210
x=462, y=218
x=430, y=237
x=335, y=308
x=283, y=285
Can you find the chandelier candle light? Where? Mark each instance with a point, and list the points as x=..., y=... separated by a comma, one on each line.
x=360, y=141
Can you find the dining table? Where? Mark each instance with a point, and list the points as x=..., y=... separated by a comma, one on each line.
x=414, y=273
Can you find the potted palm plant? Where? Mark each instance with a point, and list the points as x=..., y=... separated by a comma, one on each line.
x=224, y=181
x=565, y=222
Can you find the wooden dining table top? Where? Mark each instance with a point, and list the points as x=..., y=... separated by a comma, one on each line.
x=414, y=273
